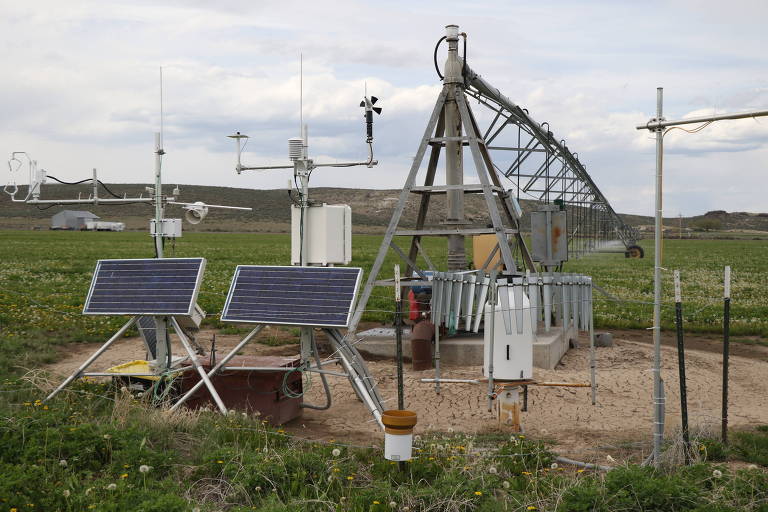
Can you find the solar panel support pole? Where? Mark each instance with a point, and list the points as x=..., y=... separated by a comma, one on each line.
x=200, y=370
x=91, y=359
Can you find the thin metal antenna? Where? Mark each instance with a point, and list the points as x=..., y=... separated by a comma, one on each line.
x=301, y=92
x=161, y=106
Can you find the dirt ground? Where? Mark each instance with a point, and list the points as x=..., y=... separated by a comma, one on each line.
x=619, y=425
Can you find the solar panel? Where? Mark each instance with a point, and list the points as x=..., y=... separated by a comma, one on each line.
x=317, y=296
x=145, y=287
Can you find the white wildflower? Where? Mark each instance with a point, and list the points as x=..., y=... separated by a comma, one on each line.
x=66, y=493
x=336, y=452
x=63, y=463
x=107, y=437
x=752, y=466
x=610, y=459
x=111, y=487
x=492, y=470
x=717, y=473
x=392, y=504
x=554, y=465
x=505, y=484
x=258, y=488
x=144, y=468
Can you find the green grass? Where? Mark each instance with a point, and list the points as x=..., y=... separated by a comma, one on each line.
x=85, y=451
x=701, y=264
x=45, y=276
x=206, y=462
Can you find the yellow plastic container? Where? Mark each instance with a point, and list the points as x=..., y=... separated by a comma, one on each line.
x=137, y=366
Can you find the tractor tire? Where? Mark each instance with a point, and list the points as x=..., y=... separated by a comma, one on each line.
x=634, y=251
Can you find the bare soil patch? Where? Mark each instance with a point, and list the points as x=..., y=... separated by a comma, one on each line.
x=619, y=425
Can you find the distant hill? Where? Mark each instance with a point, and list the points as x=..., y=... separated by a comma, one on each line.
x=371, y=210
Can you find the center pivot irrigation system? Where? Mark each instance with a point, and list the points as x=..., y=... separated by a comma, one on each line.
x=513, y=158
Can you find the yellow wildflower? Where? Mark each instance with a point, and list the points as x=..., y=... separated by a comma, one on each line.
x=478, y=493
x=124, y=475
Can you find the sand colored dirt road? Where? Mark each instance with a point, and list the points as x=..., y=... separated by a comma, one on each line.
x=620, y=423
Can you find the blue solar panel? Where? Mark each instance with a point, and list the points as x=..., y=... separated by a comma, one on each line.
x=318, y=296
x=145, y=287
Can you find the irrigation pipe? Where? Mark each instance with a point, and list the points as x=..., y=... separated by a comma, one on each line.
x=585, y=465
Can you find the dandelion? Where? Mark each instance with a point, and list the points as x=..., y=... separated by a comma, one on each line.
x=196, y=509
x=450, y=430
x=144, y=468
x=107, y=437
x=258, y=488
x=579, y=470
x=350, y=478
x=336, y=452
x=219, y=462
x=376, y=502
x=66, y=493
x=88, y=491
x=554, y=465
x=505, y=484
x=717, y=473
x=63, y=463
x=392, y=504
x=527, y=473
x=478, y=493
x=492, y=470
x=111, y=487
x=530, y=507
x=124, y=475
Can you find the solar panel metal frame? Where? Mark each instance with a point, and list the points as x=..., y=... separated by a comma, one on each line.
x=192, y=302
x=230, y=295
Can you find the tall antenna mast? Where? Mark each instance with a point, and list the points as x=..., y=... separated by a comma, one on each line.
x=161, y=106
x=301, y=92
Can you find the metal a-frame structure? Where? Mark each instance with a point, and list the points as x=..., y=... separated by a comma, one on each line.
x=451, y=127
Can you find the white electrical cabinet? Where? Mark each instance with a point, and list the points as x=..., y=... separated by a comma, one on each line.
x=513, y=350
x=328, y=236
x=171, y=228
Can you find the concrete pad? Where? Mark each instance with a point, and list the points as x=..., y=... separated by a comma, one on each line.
x=466, y=349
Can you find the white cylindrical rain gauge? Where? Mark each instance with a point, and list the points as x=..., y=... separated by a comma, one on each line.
x=398, y=434
x=295, y=148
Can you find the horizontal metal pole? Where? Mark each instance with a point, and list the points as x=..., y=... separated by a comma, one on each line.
x=347, y=164
x=505, y=148
x=654, y=125
x=448, y=232
x=452, y=381
x=265, y=167
x=91, y=201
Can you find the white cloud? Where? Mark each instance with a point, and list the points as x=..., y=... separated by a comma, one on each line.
x=80, y=88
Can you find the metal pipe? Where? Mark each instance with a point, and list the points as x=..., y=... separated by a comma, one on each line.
x=492, y=291
x=656, y=124
x=681, y=368
x=658, y=400
x=159, y=152
x=399, y=339
x=590, y=318
x=726, y=348
x=91, y=359
x=453, y=381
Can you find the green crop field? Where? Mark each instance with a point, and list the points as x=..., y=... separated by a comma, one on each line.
x=45, y=275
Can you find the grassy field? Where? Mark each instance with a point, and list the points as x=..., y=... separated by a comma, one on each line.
x=45, y=275
x=102, y=449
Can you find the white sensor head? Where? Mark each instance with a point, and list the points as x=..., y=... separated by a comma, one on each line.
x=452, y=32
x=196, y=212
x=295, y=148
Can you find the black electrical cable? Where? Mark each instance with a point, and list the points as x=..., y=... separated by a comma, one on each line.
x=47, y=207
x=107, y=189
x=437, y=68
x=67, y=182
x=83, y=181
x=464, y=65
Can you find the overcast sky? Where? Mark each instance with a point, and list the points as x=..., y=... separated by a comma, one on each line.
x=80, y=87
